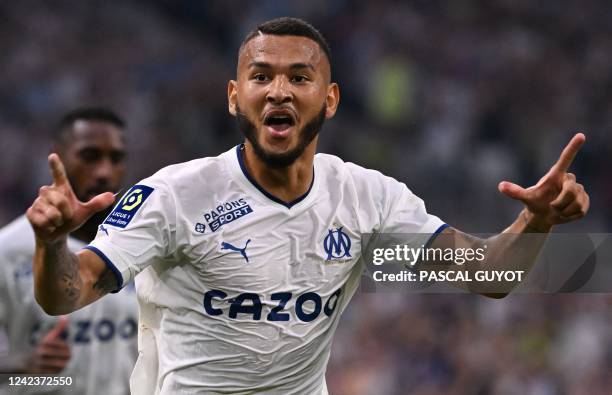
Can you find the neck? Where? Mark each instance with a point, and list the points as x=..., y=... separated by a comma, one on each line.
x=287, y=183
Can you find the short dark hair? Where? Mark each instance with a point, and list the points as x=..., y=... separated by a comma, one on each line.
x=101, y=114
x=286, y=26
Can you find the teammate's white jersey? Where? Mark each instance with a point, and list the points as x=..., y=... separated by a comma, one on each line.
x=238, y=291
x=102, y=337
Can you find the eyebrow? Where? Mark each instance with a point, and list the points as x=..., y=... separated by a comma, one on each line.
x=293, y=66
x=113, y=151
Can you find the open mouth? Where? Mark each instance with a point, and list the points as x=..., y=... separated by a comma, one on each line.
x=278, y=122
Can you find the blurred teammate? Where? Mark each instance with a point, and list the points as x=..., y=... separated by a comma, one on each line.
x=95, y=346
x=246, y=260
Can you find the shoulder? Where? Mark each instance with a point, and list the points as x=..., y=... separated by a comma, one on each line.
x=17, y=239
x=172, y=190
x=366, y=189
x=17, y=236
x=187, y=173
x=16, y=250
x=187, y=179
x=336, y=168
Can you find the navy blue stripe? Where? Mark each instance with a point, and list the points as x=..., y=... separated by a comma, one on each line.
x=266, y=193
x=110, y=265
x=434, y=234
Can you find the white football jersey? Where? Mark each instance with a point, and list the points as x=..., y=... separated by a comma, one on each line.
x=102, y=336
x=239, y=292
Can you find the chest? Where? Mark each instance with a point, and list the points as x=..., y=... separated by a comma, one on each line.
x=312, y=248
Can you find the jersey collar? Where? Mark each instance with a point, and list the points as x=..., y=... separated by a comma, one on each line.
x=239, y=161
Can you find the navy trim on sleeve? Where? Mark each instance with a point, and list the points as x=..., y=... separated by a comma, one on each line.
x=435, y=234
x=110, y=265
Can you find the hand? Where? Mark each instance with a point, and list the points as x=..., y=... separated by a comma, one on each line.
x=52, y=354
x=557, y=198
x=57, y=211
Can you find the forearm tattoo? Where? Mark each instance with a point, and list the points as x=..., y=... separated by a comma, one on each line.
x=107, y=282
x=68, y=270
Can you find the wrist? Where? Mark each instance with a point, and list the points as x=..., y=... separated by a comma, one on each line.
x=54, y=243
x=534, y=223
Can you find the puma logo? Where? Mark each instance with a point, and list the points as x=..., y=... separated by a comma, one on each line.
x=242, y=251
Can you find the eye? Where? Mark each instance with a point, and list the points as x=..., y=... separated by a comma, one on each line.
x=90, y=155
x=117, y=157
x=259, y=77
x=299, y=79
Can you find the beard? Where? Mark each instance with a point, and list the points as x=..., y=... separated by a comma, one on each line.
x=279, y=161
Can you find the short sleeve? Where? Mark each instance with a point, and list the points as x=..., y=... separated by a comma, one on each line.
x=138, y=232
x=406, y=214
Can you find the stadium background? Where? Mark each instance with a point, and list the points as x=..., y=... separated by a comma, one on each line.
x=449, y=97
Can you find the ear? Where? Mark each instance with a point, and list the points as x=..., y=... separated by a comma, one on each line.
x=332, y=100
x=232, y=96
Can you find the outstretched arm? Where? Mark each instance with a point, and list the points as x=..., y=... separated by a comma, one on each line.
x=64, y=281
x=556, y=199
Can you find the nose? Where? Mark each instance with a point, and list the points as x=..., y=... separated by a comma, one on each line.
x=103, y=171
x=279, y=91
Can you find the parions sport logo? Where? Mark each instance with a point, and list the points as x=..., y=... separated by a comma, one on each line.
x=224, y=214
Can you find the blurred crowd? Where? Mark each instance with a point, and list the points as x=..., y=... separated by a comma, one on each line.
x=448, y=97
x=463, y=344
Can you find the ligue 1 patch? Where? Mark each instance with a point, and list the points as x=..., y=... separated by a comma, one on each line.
x=127, y=208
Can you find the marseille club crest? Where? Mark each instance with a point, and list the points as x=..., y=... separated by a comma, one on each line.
x=337, y=244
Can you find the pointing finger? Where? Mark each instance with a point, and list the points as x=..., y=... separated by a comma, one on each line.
x=569, y=153
x=57, y=170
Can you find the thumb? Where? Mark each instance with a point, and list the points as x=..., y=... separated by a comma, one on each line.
x=57, y=331
x=100, y=202
x=512, y=190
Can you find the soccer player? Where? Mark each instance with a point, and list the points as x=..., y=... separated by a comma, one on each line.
x=245, y=261
x=96, y=346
